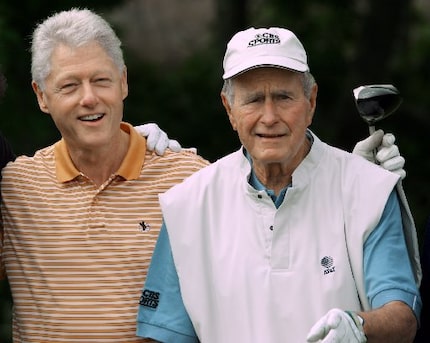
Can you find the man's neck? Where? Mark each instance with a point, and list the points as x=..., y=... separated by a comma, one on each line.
x=98, y=165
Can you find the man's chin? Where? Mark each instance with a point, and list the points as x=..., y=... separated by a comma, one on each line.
x=269, y=157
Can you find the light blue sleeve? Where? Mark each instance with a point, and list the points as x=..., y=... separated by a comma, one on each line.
x=162, y=315
x=387, y=268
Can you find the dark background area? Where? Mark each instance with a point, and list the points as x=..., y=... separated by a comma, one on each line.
x=349, y=43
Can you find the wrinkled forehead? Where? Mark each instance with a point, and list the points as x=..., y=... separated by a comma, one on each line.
x=268, y=77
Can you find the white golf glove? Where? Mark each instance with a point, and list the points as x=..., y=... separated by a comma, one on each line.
x=388, y=155
x=157, y=139
x=337, y=326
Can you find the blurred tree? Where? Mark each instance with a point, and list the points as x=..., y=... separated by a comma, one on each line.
x=232, y=16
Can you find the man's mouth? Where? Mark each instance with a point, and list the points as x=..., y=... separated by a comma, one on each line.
x=262, y=135
x=92, y=117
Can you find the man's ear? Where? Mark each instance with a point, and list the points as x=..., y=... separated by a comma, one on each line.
x=312, y=103
x=227, y=107
x=124, y=83
x=40, y=97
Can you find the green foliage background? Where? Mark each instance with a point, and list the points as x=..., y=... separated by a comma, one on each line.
x=349, y=43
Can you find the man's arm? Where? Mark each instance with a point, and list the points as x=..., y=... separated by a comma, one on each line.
x=390, y=287
x=393, y=322
x=162, y=315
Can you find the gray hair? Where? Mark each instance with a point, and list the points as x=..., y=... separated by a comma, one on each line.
x=307, y=79
x=74, y=28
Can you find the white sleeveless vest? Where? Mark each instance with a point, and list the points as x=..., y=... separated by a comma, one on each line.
x=249, y=272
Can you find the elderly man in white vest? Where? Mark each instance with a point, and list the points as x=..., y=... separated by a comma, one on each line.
x=287, y=239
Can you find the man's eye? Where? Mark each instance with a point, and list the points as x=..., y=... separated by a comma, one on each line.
x=255, y=99
x=102, y=80
x=283, y=97
x=68, y=87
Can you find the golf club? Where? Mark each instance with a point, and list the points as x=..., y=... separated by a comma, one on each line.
x=376, y=102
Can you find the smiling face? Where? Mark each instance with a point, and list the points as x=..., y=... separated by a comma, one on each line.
x=271, y=113
x=84, y=95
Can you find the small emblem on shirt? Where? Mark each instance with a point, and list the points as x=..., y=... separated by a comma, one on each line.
x=143, y=226
x=327, y=263
x=149, y=299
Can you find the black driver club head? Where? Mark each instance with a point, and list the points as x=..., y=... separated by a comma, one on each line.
x=376, y=102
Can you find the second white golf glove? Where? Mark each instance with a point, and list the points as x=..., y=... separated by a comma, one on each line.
x=337, y=326
x=388, y=155
x=157, y=139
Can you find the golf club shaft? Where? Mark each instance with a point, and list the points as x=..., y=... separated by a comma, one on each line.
x=375, y=151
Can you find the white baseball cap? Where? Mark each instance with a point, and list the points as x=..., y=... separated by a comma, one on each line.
x=254, y=48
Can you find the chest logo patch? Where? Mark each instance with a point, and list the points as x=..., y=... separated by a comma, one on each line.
x=328, y=265
x=149, y=299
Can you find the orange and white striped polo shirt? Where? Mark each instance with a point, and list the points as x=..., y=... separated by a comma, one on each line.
x=76, y=256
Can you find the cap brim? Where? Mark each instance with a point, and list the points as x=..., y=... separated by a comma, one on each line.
x=281, y=63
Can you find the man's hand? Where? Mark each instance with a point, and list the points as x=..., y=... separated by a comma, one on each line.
x=157, y=139
x=388, y=155
x=337, y=326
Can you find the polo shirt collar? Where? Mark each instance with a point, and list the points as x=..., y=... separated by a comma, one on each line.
x=129, y=169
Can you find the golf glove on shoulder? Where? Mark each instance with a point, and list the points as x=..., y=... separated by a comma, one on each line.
x=387, y=156
x=337, y=326
x=156, y=139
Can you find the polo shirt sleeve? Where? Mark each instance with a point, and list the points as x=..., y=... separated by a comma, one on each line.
x=162, y=315
x=387, y=268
